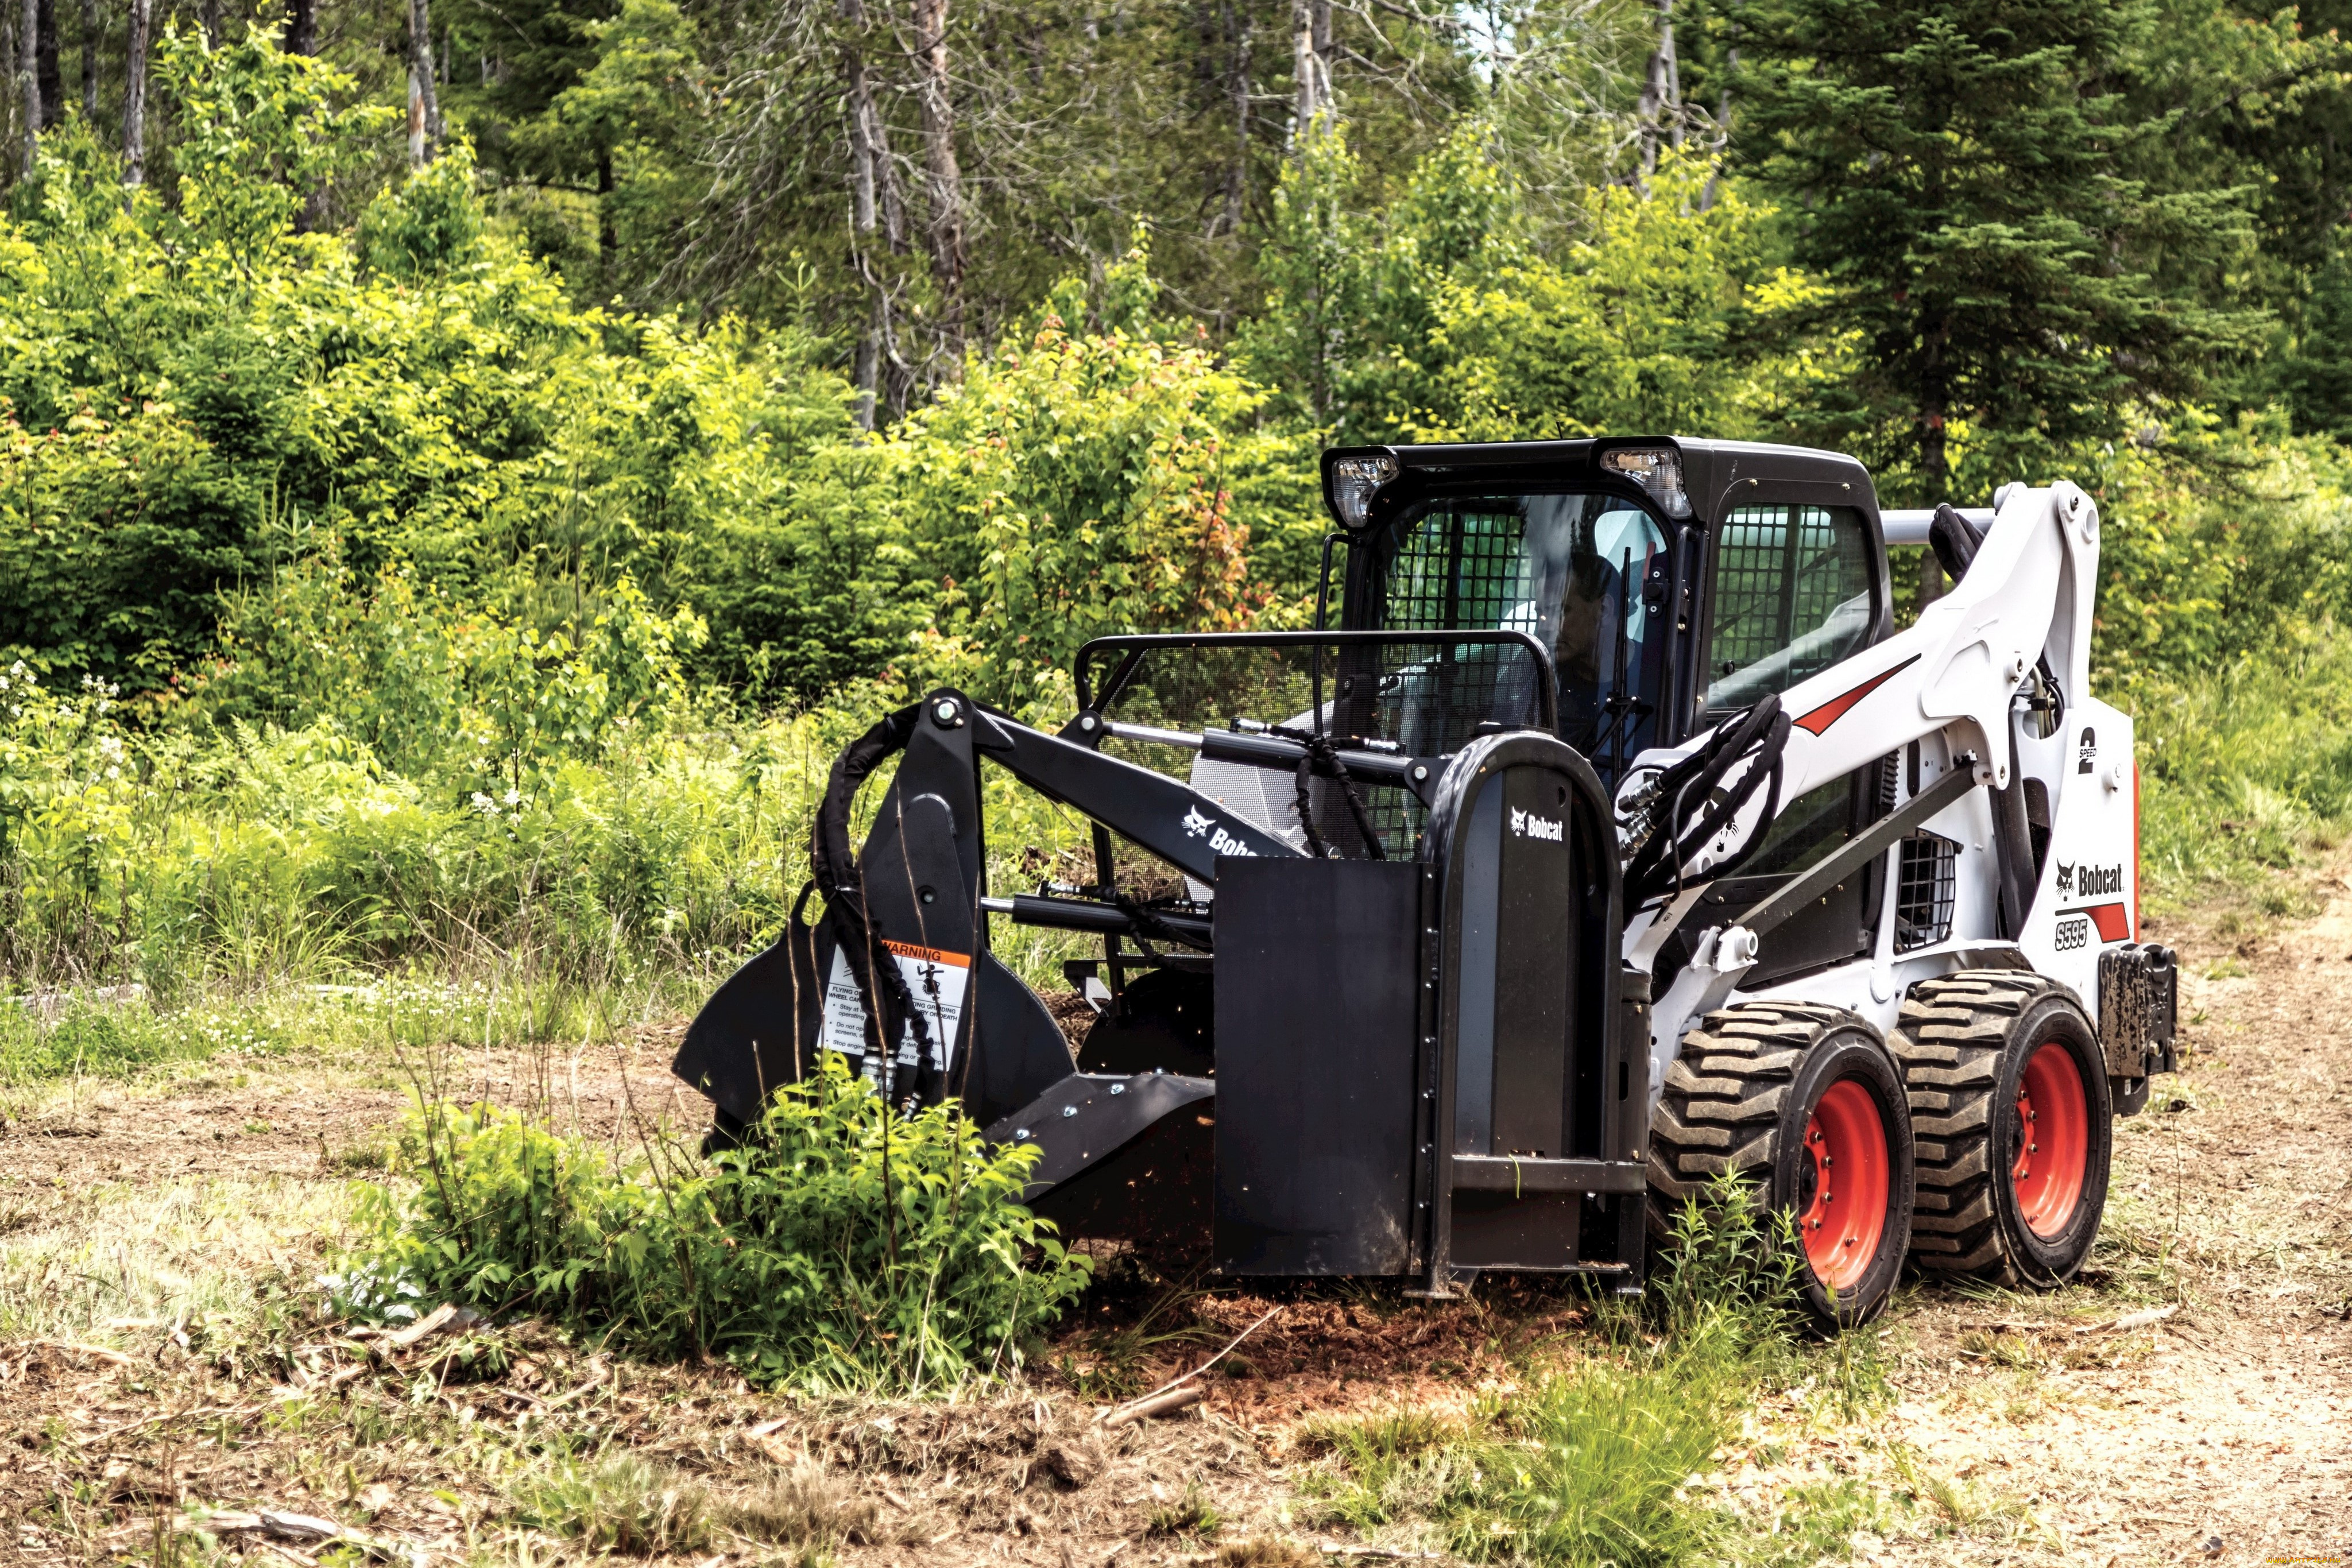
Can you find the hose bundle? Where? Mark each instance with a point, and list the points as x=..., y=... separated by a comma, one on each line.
x=1323, y=756
x=1661, y=846
x=890, y=1008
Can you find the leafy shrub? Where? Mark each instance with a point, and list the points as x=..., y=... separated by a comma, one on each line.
x=842, y=1246
x=1731, y=1265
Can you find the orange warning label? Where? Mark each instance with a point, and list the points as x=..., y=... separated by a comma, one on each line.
x=929, y=955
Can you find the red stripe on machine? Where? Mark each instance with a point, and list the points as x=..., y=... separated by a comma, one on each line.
x=1830, y=712
x=2113, y=920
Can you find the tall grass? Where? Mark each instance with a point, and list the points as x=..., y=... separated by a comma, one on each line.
x=1592, y=1463
x=2245, y=768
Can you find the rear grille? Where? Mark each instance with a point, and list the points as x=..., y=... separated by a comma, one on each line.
x=1926, y=873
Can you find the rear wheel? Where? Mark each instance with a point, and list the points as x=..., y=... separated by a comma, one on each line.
x=1805, y=1103
x=2011, y=1106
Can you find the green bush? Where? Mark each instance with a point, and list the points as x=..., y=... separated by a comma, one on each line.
x=842, y=1246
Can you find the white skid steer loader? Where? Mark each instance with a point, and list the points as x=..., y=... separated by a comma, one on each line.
x=1613, y=839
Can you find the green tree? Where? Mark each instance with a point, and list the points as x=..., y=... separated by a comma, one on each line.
x=1958, y=172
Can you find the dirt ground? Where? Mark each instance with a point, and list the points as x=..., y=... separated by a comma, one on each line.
x=2189, y=1401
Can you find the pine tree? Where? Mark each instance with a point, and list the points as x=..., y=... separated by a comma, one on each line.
x=1960, y=172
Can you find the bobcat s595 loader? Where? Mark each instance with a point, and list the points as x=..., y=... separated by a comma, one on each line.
x=1613, y=838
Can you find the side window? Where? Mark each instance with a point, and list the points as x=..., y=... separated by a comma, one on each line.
x=1792, y=597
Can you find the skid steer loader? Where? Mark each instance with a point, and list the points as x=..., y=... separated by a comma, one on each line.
x=1612, y=839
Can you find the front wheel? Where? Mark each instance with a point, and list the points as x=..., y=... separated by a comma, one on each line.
x=2009, y=1092
x=1806, y=1103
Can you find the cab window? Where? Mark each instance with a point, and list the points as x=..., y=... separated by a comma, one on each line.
x=1793, y=595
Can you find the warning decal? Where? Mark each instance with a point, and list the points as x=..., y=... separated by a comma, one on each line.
x=935, y=978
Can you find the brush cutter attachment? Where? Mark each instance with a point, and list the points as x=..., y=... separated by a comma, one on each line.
x=1408, y=1055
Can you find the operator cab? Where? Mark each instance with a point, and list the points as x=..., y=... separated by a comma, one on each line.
x=1600, y=550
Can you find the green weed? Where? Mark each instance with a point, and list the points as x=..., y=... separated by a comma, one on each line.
x=622, y=1503
x=1191, y=1514
x=841, y=1246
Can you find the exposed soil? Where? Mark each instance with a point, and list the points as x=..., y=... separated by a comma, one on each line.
x=2068, y=1428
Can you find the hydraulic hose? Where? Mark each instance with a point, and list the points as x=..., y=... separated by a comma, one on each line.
x=1762, y=733
x=890, y=1008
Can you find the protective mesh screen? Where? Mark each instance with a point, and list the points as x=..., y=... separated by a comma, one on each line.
x=1792, y=597
x=1455, y=568
x=1927, y=875
x=1423, y=696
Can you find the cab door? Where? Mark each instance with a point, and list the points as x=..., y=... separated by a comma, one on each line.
x=1794, y=586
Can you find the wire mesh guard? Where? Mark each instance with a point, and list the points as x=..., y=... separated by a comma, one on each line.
x=1416, y=696
x=1792, y=597
x=1925, y=876
x=1583, y=573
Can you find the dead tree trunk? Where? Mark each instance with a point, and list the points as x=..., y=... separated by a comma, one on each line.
x=424, y=103
x=29, y=71
x=1310, y=50
x=1660, y=111
x=9, y=62
x=868, y=157
x=134, y=98
x=945, y=174
x=1234, y=36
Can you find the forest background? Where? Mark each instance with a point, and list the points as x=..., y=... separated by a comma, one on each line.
x=465, y=467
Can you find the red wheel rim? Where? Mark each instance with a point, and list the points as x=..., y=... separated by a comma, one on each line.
x=2053, y=1140
x=1842, y=1185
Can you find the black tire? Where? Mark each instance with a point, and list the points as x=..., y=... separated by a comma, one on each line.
x=1965, y=1042
x=1740, y=1097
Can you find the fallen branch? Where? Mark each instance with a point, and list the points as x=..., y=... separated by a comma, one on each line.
x=97, y=1352
x=276, y=1526
x=439, y=1319
x=595, y=1377
x=2124, y=1324
x=1165, y=1402
x=1121, y=1414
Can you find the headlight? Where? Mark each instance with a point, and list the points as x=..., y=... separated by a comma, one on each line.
x=1354, y=482
x=1657, y=469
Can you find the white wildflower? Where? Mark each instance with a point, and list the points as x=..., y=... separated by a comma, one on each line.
x=514, y=796
x=485, y=805
x=112, y=771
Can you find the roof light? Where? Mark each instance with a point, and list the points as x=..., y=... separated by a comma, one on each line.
x=1657, y=469
x=1354, y=482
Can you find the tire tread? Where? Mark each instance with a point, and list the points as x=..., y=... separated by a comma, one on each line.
x=1948, y=1040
